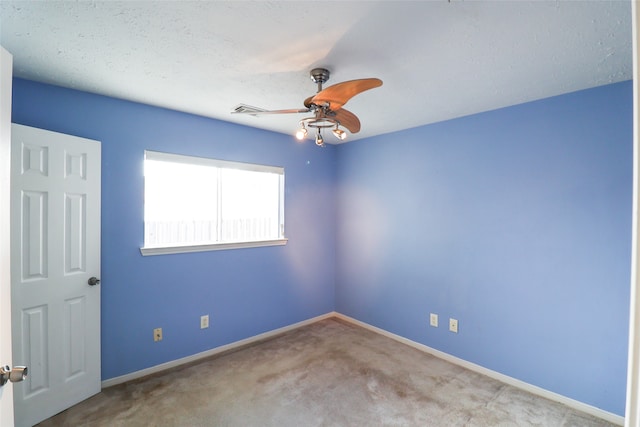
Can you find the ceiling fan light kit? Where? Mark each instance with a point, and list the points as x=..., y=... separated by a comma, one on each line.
x=326, y=107
x=301, y=134
x=339, y=133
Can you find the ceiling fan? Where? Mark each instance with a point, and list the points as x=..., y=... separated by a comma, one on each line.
x=325, y=107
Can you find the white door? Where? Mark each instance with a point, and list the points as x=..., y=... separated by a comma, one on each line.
x=55, y=251
x=6, y=392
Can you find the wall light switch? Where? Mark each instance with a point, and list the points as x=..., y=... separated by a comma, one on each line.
x=157, y=334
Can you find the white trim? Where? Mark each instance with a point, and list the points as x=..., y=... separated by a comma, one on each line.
x=166, y=250
x=6, y=73
x=633, y=363
x=583, y=407
x=205, y=161
x=232, y=346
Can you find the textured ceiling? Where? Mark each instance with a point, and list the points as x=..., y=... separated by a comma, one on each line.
x=438, y=60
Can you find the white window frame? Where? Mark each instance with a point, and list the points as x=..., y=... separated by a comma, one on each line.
x=203, y=161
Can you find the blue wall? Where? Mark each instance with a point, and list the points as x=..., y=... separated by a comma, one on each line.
x=516, y=222
x=245, y=291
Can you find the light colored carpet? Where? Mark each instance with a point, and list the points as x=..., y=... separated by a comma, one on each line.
x=330, y=373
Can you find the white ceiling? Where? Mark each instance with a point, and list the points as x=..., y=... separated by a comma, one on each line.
x=438, y=60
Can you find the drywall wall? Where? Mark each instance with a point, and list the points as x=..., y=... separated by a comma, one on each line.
x=245, y=291
x=515, y=222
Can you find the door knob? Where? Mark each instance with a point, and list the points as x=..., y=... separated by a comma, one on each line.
x=15, y=375
x=93, y=281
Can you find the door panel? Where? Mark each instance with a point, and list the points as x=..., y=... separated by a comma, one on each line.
x=56, y=248
x=35, y=254
x=34, y=332
x=75, y=240
x=74, y=319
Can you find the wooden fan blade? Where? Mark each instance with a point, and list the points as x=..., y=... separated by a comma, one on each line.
x=348, y=120
x=337, y=95
x=308, y=101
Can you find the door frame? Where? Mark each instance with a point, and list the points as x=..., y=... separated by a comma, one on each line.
x=6, y=75
x=632, y=416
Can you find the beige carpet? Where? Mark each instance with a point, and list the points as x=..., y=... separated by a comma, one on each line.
x=330, y=373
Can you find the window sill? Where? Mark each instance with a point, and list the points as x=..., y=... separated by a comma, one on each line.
x=166, y=250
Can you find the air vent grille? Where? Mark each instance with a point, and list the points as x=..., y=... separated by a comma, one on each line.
x=247, y=109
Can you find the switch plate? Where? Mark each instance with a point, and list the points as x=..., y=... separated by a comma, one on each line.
x=157, y=334
x=453, y=325
x=433, y=320
x=204, y=321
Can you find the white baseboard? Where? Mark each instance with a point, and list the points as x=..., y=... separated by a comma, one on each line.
x=583, y=407
x=172, y=364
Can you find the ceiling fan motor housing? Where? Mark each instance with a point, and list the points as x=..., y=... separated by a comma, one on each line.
x=319, y=75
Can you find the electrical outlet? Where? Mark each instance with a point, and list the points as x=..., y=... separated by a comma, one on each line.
x=453, y=325
x=204, y=321
x=157, y=334
x=433, y=320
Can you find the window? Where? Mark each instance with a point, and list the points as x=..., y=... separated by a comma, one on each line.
x=196, y=204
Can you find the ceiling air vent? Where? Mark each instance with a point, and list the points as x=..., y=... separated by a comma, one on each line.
x=247, y=109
